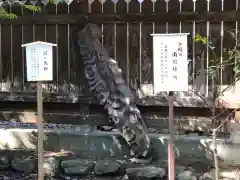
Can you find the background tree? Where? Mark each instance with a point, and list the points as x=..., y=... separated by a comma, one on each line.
x=216, y=65
x=4, y=14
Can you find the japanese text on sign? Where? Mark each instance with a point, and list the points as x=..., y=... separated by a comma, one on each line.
x=164, y=62
x=45, y=58
x=32, y=63
x=175, y=58
x=46, y=71
x=170, y=62
x=39, y=61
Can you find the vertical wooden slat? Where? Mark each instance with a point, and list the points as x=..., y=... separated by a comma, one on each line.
x=102, y=25
x=133, y=6
x=56, y=54
x=167, y=31
x=122, y=6
x=216, y=5
x=11, y=49
x=153, y=10
x=160, y=6
x=127, y=44
x=109, y=6
x=33, y=33
x=146, y=44
x=147, y=54
x=45, y=31
x=6, y=54
x=166, y=11
x=115, y=34
x=76, y=82
x=140, y=46
x=134, y=55
x=89, y=6
x=6, y=43
x=1, y=63
x=50, y=35
x=207, y=49
x=194, y=46
x=180, y=31
x=63, y=64
x=68, y=47
x=153, y=31
x=121, y=48
x=27, y=37
x=120, y=33
x=77, y=64
x=34, y=39
x=23, y=55
x=221, y=53
x=236, y=32
x=134, y=46
x=39, y=30
x=180, y=10
x=16, y=52
x=96, y=6
x=39, y=33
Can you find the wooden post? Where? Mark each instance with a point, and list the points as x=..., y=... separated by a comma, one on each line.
x=171, y=156
x=39, y=68
x=40, y=131
x=170, y=73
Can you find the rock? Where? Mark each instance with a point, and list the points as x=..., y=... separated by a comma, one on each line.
x=51, y=166
x=230, y=174
x=105, y=167
x=105, y=128
x=25, y=164
x=103, y=178
x=180, y=169
x=146, y=172
x=204, y=177
x=52, y=161
x=4, y=162
x=125, y=177
x=207, y=176
x=77, y=166
x=227, y=174
x=77, y=170
x=140, y=161
x=186, y=175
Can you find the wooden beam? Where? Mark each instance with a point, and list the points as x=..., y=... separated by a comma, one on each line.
x=155, y=121
x=160, y=18
x=81, y=99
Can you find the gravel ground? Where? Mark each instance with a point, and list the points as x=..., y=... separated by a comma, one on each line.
x=11, y=175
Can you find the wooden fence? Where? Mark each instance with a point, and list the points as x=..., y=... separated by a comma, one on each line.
x=126, y=26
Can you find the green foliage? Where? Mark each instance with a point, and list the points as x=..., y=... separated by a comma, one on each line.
x=201, y=39
x=232, y=59
x=6, y=15
x=52, y=1
x=33, y=8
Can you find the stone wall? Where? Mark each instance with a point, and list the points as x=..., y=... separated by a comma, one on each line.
x=82, y=152
x=65, y=165
x=79, y=139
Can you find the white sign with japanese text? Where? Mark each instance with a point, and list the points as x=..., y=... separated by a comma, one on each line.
x=170, y=62
x=39, y=61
